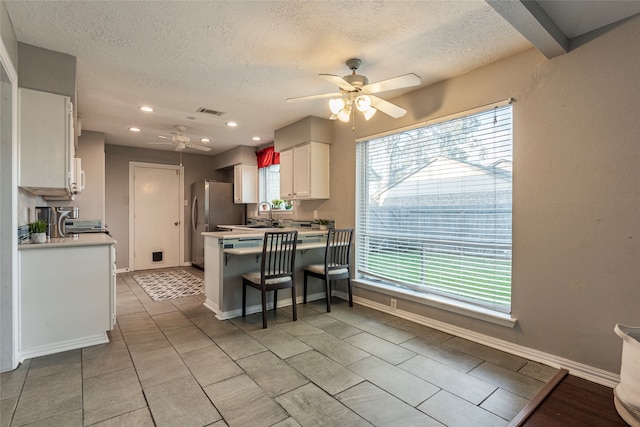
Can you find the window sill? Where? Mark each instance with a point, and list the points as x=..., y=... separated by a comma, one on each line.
x=439, y=302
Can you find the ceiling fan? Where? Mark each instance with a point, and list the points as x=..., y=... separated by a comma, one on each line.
x=180, y=141
x=355, y=90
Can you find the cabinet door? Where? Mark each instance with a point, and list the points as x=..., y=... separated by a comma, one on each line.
x=302, y=171
x=286, y=174
x=46, y=142
x=245, y=184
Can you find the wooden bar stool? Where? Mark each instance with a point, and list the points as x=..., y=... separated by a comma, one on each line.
x=337, y=261
x=276, y=271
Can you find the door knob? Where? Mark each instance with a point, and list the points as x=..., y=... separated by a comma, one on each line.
x=176, y=223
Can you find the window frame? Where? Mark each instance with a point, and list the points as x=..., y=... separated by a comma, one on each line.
x=365, y=276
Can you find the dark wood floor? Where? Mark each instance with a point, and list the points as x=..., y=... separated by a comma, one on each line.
x=576, y=402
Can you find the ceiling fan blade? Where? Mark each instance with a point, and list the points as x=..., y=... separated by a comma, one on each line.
x=167, y=138
x=387, y=107
x=400, y=82
x=160, y=143
x=306, y=98
x=342, y=83
x=198, y=147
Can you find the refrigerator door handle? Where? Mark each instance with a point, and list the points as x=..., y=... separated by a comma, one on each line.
x=194, y=213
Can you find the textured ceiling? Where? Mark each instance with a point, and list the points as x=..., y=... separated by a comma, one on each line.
x=245, y=58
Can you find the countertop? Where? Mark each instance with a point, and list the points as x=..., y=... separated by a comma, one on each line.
x=84, y=239
x=258, y=232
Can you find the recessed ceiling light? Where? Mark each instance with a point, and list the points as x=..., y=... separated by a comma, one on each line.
x=256, y=138
x=232, y=124
x=146, y=109
x=205, y=140
x=134, y=129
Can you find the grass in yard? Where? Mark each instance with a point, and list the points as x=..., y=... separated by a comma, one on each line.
x=472, y=277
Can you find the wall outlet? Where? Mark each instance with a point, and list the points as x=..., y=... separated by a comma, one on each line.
x=315, y=214
x=394, y=304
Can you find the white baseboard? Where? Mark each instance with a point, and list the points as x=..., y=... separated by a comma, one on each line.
x=577, y=369
x=59, y=347
x=257, y=308
x=122, y=270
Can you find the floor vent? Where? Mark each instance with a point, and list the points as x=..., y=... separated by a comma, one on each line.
x=156, y=256
x=208, y=111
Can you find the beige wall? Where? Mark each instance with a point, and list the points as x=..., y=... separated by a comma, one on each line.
x=576, y=208
x=196, y=167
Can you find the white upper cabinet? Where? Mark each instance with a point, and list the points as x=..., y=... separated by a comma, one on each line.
x=46, y=146
x=304, y=172
x=245, y=184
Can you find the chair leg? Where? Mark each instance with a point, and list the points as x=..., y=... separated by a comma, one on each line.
x=304, y=295
x=264, y=309
x=275, y=299
x=293, y=302
x=244, y=298
x=350, y=292
x=327, y=283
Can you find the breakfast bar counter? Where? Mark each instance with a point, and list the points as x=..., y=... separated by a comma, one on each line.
x=230, y=254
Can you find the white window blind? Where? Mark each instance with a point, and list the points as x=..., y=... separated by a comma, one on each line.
x=434, y=208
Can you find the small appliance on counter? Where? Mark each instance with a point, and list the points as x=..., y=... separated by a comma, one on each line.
x=78, y=226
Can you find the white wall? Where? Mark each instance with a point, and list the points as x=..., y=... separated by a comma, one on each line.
x=576, y=209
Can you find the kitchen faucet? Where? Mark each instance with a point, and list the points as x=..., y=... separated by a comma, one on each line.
x=270, y=212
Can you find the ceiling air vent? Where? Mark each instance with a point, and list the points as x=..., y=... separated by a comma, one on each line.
x=208, y=111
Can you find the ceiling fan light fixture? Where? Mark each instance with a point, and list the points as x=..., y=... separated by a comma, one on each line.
x=369, y=113
x=363, y=103
x=344, y=114
x=336, y=105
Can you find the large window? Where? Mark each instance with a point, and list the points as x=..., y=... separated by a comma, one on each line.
x=434, y=208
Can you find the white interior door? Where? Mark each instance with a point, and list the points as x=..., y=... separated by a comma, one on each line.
x=157, y=217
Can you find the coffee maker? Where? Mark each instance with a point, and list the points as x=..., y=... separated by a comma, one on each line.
x=56, y=217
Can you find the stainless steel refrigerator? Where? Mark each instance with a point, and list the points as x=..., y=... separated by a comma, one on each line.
x=211, y=205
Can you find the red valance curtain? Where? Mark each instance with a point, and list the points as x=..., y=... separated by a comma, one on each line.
x=267, y=157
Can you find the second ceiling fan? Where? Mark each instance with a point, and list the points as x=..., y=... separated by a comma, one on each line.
x=357, y=92
x=180, y=141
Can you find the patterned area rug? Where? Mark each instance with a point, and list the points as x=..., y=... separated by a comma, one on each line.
x=164, y=285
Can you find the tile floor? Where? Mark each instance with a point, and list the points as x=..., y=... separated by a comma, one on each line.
x=173, y=363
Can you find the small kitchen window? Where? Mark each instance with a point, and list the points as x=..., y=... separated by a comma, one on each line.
x=269, y=179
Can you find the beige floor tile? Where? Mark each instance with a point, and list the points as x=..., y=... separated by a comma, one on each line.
x=504, y=404
x=137, y=418
x=445, y=355
x=159, y=307
x=381, y=408
x=406, y=387
x=54, y=364
x=279, y=342
x=68, y=419
x=332, y=326
x=238, y=344
x=497, y=357
x=243, y=403
x=48, y=396
x=180, y=402
x=452, y=410
x=210, y=365
x=538, y=371
x=274, y=375
x=188, y=339
x=514, y=382
x=289, y=422
x=104, y=358
x=159, y=366
x=311, y=406
x=172, y=320
x=111, y=394
x=13, y=381
x=431, y=335
x=7, y=408
x=335, y=348
x=464, y=385
x=327, y=374
x=383, y=349
x=384, y=331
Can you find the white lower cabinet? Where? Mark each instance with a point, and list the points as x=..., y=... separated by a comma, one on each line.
x=67, y=297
